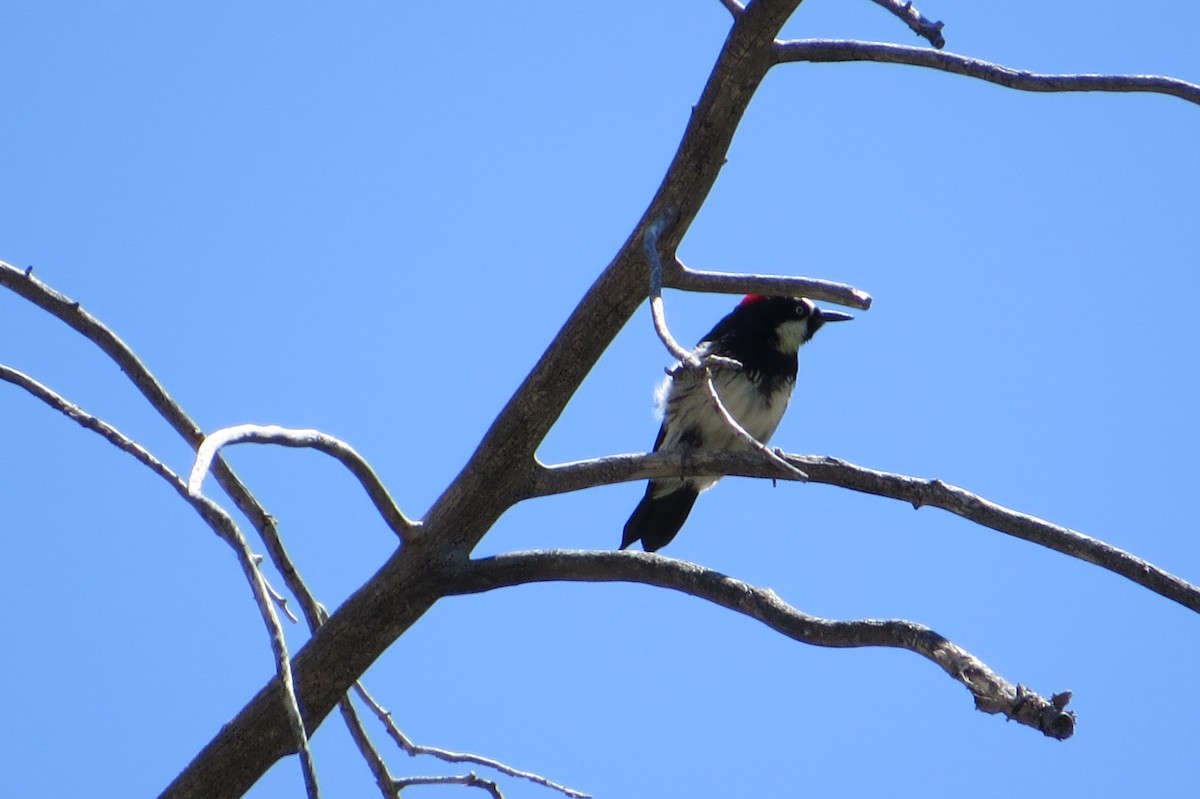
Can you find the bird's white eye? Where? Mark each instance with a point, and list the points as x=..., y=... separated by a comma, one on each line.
x=801, y=309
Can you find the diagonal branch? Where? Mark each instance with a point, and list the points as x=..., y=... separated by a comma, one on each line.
x=415, y=749
x=314, y=439
x=993, y=694
x=838, y=50
x=225, y=528
x=916, y=491
x=916, y=21
x=743, y=434
x=23, y=283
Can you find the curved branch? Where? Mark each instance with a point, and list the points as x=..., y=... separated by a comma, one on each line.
x=838, y=50
x=657, y=315
x=993, y=694
x=225, y=528
x=312, y=439
x=24, y=284
x=918, y=492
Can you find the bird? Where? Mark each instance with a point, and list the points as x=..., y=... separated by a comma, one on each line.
x=764, y=334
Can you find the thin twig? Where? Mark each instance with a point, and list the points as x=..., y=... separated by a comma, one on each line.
x=992, y=693
x=839, y=50
x=414, y=749
x=375, y=761
x=744, y=434
x=916, y=21
x=23, y=283
x=314, y=439
x=919, y=492
x=657, y=315
x=225, y=528
x=471, y=779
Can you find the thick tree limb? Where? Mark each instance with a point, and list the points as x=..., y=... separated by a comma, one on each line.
x=992, y=693
x=838, y=50
x=916, y=491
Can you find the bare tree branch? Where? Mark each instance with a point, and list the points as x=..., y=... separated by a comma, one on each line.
x=503, y=469
x=916, y=491
x=414, y=749
x=24, y=284
x=225, y=528
x=375, y=762
x=993, y=694
x=471, y=780
x=915, y=20
x=678, y=276
x=314, y=439
x=650, y=245
x=838, y=50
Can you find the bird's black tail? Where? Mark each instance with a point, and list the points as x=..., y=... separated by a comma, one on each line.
x=657, y=519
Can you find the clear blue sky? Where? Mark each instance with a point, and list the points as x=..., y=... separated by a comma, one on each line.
x=371, y=218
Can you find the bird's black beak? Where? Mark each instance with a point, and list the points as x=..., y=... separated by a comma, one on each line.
x=835, y=316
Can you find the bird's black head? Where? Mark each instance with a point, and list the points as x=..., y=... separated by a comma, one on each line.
x=792, y=320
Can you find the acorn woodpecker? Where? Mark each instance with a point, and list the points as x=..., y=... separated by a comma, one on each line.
x=764, y=334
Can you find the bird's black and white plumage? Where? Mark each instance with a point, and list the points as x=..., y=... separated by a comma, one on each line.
x=764, y=334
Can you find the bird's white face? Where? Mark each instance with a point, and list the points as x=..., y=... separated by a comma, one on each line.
x=794, y=332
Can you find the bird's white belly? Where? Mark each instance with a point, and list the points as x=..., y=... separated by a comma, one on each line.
x=693, y=413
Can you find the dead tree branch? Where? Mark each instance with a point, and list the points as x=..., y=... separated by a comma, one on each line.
x=503, y=469
x=839, y=50
x=225, y=528
x=918, y=492
x=414, y=749
x=471, y=780
x=916, y=21
x=992, y=693
x=313, y=439
x=23, y=283
x=678, y=276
